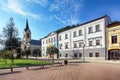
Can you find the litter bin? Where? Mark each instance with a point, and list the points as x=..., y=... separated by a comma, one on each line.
x=65, y=62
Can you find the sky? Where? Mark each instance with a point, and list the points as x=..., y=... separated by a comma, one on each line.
x=45, y=16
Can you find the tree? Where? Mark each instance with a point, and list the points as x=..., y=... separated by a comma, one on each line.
x=36, y=52
x=27, y=53
x=51, y=51
x=10, y=33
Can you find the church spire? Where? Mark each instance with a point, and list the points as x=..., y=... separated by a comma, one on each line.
x=27, y=25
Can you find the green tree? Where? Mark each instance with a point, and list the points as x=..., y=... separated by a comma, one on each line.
x=35, y=52
x=10, y=33
x=27, y=52
x=51, y=51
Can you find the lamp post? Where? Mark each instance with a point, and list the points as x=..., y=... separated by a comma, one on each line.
x=14, y=56
x=83, y=52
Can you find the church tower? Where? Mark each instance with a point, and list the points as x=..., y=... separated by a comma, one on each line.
x=27, y=34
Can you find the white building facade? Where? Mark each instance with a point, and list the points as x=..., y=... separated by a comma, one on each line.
x=49, y=40
x=86, y=40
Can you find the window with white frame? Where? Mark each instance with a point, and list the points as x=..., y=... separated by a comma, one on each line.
x=97, y=54
x=80, y=32
x=60, y=55
x=114, y=39
x=98, y=42
x=66, y=45
x=51, y=39
x=54, y=38
x=80, y=54
x=80, y=44
x=90, y=54
x=66, y=36
x=43, y=42
x=60, y=46
x=74, y=34
x=59, y=38
x=43, y=49
x=90, y=30
x=97, y=28
x=75, y=45
x=90, y=43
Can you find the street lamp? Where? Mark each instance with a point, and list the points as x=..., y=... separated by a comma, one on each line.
x=14, y=56
x=83, y=51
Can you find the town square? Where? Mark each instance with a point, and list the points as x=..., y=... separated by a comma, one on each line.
x=59, y=40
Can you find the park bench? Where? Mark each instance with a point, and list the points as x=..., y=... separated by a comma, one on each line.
x=11, y=68
x=27, y=67
x=59, y=63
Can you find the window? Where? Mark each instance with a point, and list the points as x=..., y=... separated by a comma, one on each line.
x=66, y=46
x=43, y=42
x=97, y=28
x=28, y=35
x=46, y=41
x=51, y=39
x=60, y=55
x=75, y=45
x=80, y=32
x=54, y=38
x=90, y=54
x=80, y=54
x=66, y=36
x=114, y=39
x=97, y=42
x=66, y=55
x=59, y=38
x=43, y=49
x=90, y=30
x=60, y=46
x=90, y=43
x=80, y=44
x=97, y=54
x=74, y=34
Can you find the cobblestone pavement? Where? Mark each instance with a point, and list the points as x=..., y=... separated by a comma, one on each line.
x=73, y=71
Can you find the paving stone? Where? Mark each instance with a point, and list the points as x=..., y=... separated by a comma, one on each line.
x=73, y=71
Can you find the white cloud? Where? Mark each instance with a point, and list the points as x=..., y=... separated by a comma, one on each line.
x=67, y=11
x=16, y=7
x=43, y=3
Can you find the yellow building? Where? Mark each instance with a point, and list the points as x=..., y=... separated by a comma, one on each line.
x=113, y=41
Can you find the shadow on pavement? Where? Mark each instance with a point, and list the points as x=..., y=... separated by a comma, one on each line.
x=10, y=73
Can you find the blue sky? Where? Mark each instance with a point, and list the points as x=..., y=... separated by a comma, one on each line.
x=45, y=16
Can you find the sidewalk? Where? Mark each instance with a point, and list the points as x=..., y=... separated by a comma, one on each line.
x=77, y=71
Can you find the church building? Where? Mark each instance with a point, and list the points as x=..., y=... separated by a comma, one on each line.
x=28, y=43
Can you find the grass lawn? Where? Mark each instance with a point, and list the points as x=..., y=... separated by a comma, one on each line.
x=20, y=63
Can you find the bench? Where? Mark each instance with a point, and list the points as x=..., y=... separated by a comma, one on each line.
x=11, y=68
x=27, y=67
x=59, y=63
x=42, y=66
